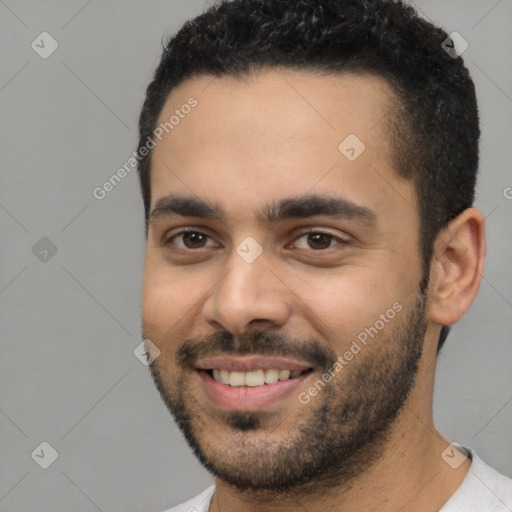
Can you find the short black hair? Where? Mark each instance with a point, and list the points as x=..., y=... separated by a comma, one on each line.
x=433, y=129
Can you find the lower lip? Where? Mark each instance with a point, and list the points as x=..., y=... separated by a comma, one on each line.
x=247, y=398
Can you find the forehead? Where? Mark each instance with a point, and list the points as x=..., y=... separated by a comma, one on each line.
x=291, y=104
x=271, y=134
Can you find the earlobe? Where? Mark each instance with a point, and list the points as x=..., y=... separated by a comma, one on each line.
x=457, y=266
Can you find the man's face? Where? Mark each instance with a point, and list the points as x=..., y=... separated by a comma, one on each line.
x=284, y=279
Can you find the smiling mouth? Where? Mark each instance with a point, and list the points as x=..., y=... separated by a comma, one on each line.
x=254, y=378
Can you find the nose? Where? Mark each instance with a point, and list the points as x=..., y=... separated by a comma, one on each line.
x=249, y=293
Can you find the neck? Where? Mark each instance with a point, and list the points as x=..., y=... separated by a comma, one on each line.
x=409, y=475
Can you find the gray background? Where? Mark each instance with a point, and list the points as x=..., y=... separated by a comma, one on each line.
x=68, y=375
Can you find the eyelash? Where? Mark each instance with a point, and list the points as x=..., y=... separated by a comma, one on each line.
x=340, y=241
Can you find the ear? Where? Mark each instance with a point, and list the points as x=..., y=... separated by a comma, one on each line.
x=457, y=266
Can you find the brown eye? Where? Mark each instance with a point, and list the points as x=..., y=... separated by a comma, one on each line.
x=194, y=240
x=189, y=240
x=317, y=241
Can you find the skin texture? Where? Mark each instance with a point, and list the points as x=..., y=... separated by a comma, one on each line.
x=250, y=142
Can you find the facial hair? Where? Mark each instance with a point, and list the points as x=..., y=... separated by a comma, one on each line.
x=340, y=433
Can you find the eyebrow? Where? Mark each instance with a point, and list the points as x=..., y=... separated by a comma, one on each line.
x=277, y=211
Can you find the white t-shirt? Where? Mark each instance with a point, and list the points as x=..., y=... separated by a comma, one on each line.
x=482, y=490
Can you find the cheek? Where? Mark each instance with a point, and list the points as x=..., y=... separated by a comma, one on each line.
x=163, y=322
x=171, y=300
x=340, y=306
x=163, y=289
x=163, y=301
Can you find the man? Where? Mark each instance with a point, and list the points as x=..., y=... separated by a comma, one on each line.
x=308, y=177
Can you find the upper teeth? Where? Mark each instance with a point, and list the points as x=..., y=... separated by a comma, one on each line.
x=255, y=378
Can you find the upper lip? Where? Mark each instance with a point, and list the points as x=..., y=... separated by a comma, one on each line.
x=249, y=363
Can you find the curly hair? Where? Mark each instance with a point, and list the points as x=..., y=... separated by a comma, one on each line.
x=433, y=129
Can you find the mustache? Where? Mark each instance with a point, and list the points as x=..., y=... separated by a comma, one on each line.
x=257, y=343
